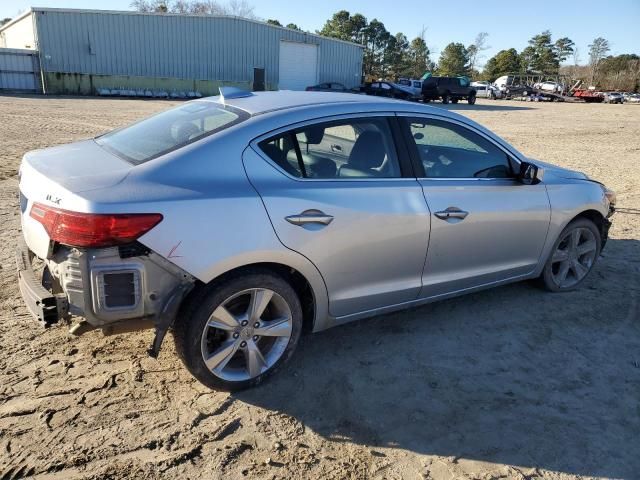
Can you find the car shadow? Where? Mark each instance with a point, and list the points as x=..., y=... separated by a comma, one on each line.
x=512, y=375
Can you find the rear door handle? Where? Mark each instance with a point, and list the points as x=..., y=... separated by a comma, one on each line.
x=310, y=216
x=451, y=212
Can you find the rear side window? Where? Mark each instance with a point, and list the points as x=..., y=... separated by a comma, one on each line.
x=170, y=130
x=347, y=149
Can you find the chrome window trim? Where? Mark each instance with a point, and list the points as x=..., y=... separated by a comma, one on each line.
x=466, y=179
x=515, y=155
x=347, y=116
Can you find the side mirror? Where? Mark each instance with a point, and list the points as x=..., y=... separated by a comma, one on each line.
x=530, y=174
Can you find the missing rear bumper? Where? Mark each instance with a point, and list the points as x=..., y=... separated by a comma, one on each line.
x=46, y=307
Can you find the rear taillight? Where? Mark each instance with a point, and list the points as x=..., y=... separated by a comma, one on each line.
x=92, y=229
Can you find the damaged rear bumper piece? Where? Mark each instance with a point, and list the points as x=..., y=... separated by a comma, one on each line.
x=116, y=289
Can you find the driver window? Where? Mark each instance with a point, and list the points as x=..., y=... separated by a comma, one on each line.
x=448, y=150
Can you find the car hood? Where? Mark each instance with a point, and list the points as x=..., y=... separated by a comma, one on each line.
x=559, y=171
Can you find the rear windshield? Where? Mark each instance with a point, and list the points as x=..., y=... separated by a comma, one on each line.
x=167, y=131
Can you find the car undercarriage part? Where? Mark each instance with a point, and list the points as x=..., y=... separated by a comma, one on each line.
x=116, y=289
x=47, y=307
x=165, y=318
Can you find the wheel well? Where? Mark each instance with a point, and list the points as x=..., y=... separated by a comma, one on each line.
x=600, y=222
x=297, y=281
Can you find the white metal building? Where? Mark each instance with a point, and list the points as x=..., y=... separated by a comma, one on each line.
x=81, y=51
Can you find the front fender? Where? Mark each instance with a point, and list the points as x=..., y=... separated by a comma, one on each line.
x=569, y=199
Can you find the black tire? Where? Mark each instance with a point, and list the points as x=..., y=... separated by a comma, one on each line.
x=194, y=315
x=454, y=100
x=546, y=279
x=471, y=99
x=446, y=98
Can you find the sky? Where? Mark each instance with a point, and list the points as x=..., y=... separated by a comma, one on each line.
x=509, y=24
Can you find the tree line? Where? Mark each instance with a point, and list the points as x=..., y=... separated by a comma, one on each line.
x=391, y=56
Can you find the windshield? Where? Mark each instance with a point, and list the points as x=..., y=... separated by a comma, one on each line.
x=167, y=131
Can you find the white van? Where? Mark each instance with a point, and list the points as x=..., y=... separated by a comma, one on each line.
x=503, y=82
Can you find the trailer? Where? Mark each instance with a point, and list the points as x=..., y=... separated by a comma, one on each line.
x=589, y=96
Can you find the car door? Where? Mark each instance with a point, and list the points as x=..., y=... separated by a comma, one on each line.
x=357, y=213
x=486, y=225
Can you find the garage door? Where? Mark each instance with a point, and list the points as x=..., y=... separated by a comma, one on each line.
x=298, y=66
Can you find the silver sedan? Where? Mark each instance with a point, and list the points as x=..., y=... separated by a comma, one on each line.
x=242, y=220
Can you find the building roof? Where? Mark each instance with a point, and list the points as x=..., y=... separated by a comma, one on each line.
x=131, y=12
x=15, y=20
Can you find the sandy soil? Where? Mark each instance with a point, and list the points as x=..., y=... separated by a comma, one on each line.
x=508, y=383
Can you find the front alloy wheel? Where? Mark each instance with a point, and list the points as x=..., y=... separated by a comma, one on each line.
x=574, y=255
x=233, y=334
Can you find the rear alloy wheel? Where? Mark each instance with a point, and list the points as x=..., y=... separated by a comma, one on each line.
x=574, y=255
x=241, y=331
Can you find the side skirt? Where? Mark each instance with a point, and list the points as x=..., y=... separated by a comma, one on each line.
x=335, y=321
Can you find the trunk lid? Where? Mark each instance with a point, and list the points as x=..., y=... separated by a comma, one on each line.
x=78, y=167
x=58, y=176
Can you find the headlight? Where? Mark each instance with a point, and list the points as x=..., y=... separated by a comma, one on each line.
x=610, y=194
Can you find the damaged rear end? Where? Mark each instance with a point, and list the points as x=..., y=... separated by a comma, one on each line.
x=78, y=259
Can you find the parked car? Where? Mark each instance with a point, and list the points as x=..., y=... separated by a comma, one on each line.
x=241, y=220
x=486, y=90
x=390, y=90
x=553, y=87
x=448, y=89
x=328, y=87
x=632, y=98
x=613, y=97
x=414, y=85
x=517, y=91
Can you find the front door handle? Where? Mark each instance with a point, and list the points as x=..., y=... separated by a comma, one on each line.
x=310, y=216
x=451, y=212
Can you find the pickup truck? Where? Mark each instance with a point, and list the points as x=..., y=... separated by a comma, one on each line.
x=448, y=89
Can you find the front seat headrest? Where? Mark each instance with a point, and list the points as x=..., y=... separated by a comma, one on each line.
x=368, y=152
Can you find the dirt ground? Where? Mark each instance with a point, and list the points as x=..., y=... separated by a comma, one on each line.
x=508, y=383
